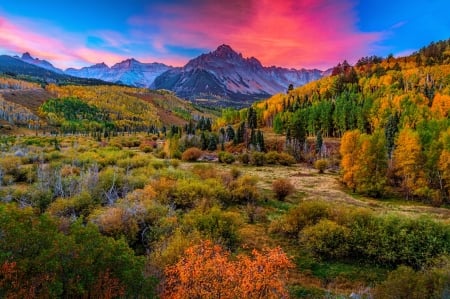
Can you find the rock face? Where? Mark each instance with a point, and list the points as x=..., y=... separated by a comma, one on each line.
x=129, y=72
x=232, y=79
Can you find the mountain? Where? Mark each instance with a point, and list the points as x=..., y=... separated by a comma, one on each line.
x=26, y=57
x=16, y=67
x=129, y=72
x=231, y=79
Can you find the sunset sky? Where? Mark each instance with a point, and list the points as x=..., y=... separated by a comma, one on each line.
x=291, y=33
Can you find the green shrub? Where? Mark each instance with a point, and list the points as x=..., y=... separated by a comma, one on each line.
x=244, y=158
x=272, y=157
x=404, y=282
x=220, y=226
x=305, y=214
x=257, y=159
x=229, y=158
x=286, y=159
x=321, y=165
x=327, y=239
x=243, y=190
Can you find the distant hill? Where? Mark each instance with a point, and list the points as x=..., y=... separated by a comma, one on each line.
x=16, y=67
x=26, y=57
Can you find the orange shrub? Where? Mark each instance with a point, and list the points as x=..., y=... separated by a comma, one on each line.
x=282, y=188
x=191, y=154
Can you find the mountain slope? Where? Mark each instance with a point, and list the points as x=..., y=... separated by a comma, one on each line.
x=232, y=79
x=16, y=67
x=129, y=72
x=26, y=57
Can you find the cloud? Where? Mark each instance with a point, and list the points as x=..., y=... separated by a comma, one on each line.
x=308, y=33
x=290, y=33
x=67, y=49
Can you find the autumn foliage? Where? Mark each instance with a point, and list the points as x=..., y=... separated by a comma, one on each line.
x=208, y=271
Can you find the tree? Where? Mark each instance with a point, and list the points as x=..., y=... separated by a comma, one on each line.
x=207, y=271
x=203, y=141
x=350, y=152
x=212, y=144
x=229, y=133
x=408, y=161
x=260, y=141
x=252, y=120
x=390, y=133
x=278, y=125
x=319, y=142
x=371, y=172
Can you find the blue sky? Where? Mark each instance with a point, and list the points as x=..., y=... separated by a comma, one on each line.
x=290, y=33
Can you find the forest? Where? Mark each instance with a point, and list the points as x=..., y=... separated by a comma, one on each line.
x=337, y=188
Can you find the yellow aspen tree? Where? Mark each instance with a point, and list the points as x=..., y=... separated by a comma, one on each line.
x=408, y=161
x=349, y=151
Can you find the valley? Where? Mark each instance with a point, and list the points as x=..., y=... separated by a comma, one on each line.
x=333, y=189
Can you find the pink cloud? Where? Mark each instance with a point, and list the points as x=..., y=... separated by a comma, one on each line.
x=63, y=49
x=292, y=33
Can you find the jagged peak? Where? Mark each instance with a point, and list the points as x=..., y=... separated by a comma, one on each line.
x=225, y=51
x=27, y=55
x=100, y=65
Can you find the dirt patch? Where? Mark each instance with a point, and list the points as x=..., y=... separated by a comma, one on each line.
x=30, y=98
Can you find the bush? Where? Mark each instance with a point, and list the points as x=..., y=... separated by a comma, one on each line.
x=286, y=159
x=229, y=158
x=244, y=158
x=191, y=154
x=404, y=282
x=282, y=188
x=307, y=213
x=220, y=226
x=235, y=172
x=272, y=157
x=326, y=238
x=244, y=190
x=257, y=159
x=226, y=157
x=321, y=165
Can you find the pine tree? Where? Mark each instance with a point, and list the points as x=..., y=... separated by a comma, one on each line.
x=390, y=132
x=230, y=133
x=252, y=119
x=203, y=141
x=212, y=145
x=260, y=141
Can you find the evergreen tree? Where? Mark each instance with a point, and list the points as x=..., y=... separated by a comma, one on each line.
x=252, y=119
x=260, y=141
x=319, y=142
x=390, y=132
x=230, y=133
x=212, y=144
x=253, y=138
x=203, y=141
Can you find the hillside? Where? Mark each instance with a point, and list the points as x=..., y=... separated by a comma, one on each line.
x=124, y=108
x=17, y=68
x=392, y=115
